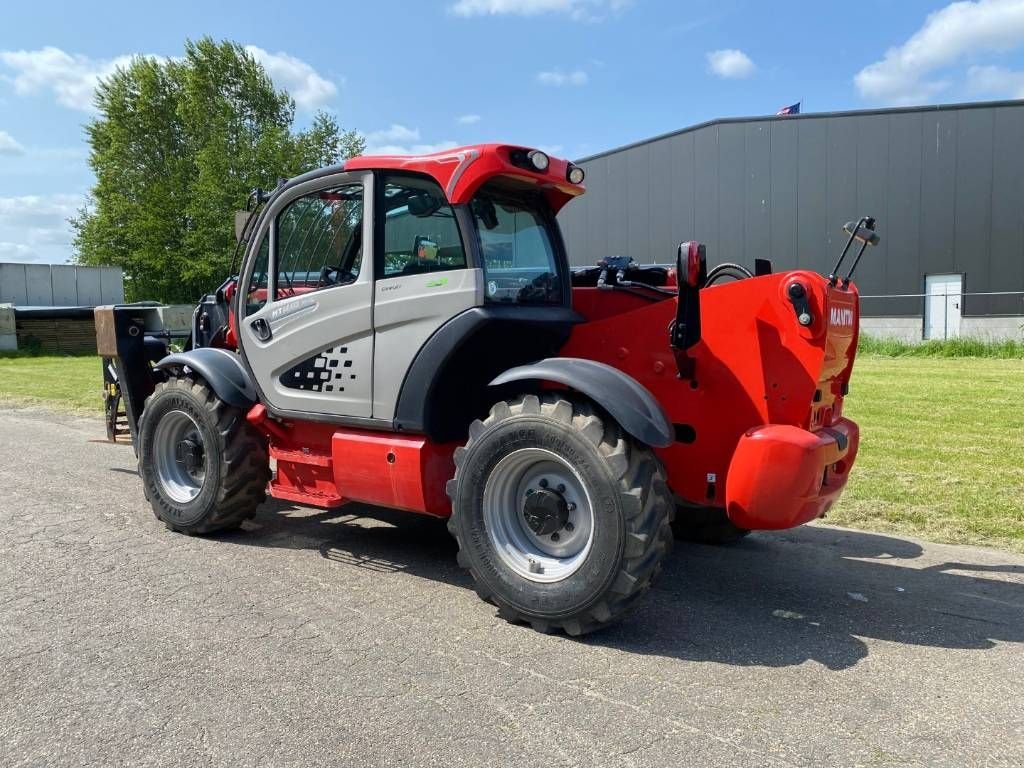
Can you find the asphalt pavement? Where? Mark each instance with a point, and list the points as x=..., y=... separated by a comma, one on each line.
x=351, y=638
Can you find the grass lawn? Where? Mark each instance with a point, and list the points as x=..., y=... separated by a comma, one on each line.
x=942, y=440
x=73, y=383
x=942, y=449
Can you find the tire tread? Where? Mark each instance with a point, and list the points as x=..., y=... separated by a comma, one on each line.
x=244, y=468
x=645, y=500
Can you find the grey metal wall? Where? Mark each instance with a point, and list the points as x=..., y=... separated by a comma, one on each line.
x=945, y=183
x=60, y=285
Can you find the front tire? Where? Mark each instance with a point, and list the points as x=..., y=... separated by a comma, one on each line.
x=204, y=468
x=562, y=520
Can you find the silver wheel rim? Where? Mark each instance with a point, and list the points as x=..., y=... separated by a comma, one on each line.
x=181, y=475
x=538, y=558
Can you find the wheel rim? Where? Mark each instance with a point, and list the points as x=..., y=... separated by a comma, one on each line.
x=546, y=537
x=179, y=456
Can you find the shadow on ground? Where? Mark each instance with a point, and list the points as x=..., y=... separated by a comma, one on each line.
x=775, y=599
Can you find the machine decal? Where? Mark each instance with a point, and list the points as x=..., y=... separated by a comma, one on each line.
x=842, y=316
x=325, y=372
x=290, y=308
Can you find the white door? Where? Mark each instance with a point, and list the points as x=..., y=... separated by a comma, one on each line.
x=307, y=327
x=942, y=306
x=423, y=280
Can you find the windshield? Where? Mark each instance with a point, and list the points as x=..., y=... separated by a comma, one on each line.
x=518, y=256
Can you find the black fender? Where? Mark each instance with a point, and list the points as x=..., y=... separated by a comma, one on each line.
x=623, y=397
x=446, y=388
x=221, y=369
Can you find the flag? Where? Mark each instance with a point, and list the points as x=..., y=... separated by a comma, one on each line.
x=792, y=109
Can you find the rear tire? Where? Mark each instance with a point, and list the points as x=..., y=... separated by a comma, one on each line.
x=706, y=525
x=607, y=493
x=204, y=468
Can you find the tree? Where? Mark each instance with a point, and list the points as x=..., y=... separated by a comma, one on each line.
x=176, y=148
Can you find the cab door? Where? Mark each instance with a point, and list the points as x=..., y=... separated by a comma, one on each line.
x=306, y=320
x=424, y=278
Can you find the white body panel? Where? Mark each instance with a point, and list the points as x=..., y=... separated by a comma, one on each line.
x=942, y=306
x=407, y=311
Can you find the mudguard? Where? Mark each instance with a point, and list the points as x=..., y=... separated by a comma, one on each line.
x=221, y=369
x=626, y=400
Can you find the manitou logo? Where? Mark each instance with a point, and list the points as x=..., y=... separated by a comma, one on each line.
x=842, y=316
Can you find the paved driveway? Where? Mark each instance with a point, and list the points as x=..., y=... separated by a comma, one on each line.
x=353, y=639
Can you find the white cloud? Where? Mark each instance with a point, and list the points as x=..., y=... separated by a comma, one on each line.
x=730, y=63
x=16, y=252
x=578, y=10
x=400, y=140
x=392, y=134
x=962, y=29
x=71, y=78
x=998, y=81
x=467, y=119
x=35, y=227
x=9, y=146
x=305, y=84
x=558, y=78
x=410, y=149
x=28, y=208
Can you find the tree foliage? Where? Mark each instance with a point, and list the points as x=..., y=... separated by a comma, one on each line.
x=176, y=148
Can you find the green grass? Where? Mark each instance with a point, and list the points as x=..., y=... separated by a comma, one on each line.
x=965, y=347
x=942, y=439
x=942, y=449
x=72, y=383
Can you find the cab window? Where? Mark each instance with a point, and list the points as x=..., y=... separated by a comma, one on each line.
x=319, y=241
x=420, y=231
x=257, y=295
x=519, y=261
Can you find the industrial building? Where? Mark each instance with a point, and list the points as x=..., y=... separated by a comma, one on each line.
x=946, y=184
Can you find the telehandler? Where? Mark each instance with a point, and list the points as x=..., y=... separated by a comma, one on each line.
x=407, y=332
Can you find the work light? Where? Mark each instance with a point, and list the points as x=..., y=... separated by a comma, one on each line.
x=538, y=159
x=575, y=174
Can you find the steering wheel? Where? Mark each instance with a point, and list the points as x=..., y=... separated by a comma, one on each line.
x=326, y=278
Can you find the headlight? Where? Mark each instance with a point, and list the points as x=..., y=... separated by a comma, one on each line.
x=575, y=174
x=538, y=159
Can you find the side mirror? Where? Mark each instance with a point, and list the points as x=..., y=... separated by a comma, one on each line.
x=424, y=205
x=486, y=212
x=241, y=222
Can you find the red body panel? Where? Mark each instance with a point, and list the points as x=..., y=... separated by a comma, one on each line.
x=754, y=366
x=326, y=466
x=402, y=471
x=781, y=476
x=462, y=170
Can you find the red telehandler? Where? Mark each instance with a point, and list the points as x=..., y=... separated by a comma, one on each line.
x=407, y=332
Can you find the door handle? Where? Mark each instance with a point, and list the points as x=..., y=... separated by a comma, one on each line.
x=261, y=328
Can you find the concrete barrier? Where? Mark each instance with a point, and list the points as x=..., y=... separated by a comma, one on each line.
x=60, y=285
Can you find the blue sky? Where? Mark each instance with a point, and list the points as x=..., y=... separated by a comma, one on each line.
x=572, y=76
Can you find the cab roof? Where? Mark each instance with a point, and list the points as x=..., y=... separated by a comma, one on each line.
x=461, y=171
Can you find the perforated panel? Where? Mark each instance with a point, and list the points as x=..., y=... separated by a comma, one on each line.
x=326, y=372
